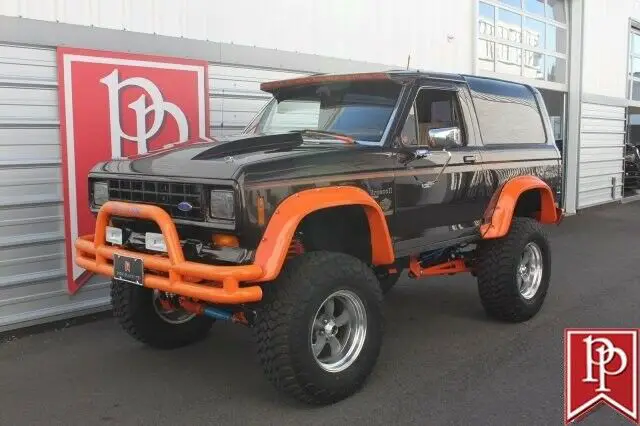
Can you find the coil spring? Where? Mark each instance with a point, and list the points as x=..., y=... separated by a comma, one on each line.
x=295, y=248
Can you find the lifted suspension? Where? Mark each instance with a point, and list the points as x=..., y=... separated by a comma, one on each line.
x=240, y=315
x=438, y=262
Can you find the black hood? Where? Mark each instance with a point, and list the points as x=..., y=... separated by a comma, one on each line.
x=220, y=160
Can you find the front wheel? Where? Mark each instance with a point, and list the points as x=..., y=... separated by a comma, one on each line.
x=143, y=315
x=320, y=327
x=514, y=272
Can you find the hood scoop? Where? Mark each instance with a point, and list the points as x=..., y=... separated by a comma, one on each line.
x=281, y=141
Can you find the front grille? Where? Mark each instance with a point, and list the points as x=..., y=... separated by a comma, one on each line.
x=162, y=194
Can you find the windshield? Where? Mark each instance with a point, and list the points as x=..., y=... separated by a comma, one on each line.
x=359, y=109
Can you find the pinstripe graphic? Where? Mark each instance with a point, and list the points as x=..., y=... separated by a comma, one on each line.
x=451, y=168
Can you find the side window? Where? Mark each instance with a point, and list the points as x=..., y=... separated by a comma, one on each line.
x=408, y=135
x=433, y=109
x=508, y=113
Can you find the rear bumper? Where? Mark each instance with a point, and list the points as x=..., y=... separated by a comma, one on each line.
x=171, y=273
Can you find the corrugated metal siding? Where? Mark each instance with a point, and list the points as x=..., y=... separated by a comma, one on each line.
x=601, y=164
x=32, y=264
x=235, y=95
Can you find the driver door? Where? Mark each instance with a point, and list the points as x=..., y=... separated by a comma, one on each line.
x=439, y=173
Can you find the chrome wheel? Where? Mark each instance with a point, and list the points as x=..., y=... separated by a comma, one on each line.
x=529, y=273
x=168, y=313
x=338, y=331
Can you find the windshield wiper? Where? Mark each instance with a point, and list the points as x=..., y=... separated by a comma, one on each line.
x=334, y=135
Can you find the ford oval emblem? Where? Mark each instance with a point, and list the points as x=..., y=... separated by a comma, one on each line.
x=185, y=206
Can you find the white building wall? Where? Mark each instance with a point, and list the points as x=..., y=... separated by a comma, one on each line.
x=438, y=35
x=606, y=45
x=605, y=52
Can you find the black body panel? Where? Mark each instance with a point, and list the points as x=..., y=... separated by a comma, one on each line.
x=422, y=212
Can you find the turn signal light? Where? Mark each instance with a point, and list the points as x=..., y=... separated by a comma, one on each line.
x=222, y=240
x=260, y=210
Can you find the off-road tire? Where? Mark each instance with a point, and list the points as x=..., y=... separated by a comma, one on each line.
x=132, y=306
x=496, y=268
x=283, y=331
x=389, y=281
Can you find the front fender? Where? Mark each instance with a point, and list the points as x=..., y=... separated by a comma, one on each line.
x=274, y=245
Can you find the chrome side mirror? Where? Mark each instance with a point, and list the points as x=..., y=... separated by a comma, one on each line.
x=445, y=137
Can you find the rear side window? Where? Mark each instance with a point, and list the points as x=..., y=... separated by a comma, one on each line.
x=508, y=113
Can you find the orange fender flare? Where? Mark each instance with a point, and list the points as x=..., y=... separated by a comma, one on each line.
x=499, y=212
x=272, y=250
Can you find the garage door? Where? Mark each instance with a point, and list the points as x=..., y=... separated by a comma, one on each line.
x=601, y=163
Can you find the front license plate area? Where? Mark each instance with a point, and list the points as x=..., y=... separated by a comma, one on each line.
x=128, y=269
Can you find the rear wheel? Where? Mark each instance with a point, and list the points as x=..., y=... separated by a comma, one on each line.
x=514, y=272
x=145, y=316
x=320, y=327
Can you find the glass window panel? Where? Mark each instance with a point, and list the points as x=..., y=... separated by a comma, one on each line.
x=512, y=3
x=409, y=135
x=534, y=6
x=509, y=26
x=556, y=69
x=635, y=67
x=556, y=39
x=635, y=95
x=556, y=11
x=506, y=103
x=508, y=59
x=533, y=65
x=635, y=43
x=486, y=23
x=486, y=55
x=533, y=33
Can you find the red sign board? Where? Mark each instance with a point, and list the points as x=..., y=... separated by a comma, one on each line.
x=601, y=367
x=118, y=105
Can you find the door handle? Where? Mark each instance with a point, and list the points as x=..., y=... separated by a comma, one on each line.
x=469, y=158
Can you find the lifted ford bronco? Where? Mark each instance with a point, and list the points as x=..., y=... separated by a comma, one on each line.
x=299, y=225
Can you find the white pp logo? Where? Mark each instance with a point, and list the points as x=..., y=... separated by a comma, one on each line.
x=158, y=106
x=606, y=354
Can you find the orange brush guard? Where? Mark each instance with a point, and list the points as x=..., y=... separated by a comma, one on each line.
x=222, y=283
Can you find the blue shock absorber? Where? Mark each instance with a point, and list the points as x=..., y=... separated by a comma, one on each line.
x=219, y=314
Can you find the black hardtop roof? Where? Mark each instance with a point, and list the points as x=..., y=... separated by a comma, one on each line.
x=392, y=74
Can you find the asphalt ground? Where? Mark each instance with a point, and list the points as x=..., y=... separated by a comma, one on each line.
x=442, y=363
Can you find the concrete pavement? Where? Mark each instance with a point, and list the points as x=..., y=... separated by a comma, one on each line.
x=443, y=362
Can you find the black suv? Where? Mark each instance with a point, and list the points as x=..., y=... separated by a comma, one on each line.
x=300, y=224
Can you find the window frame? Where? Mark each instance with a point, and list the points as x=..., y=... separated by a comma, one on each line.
x=634, y=29
x=493, y=40
x=464, y=127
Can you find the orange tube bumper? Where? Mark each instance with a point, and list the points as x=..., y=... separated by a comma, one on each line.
x=219, y=284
